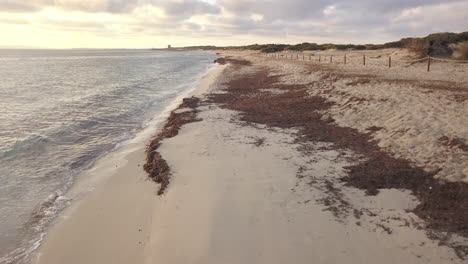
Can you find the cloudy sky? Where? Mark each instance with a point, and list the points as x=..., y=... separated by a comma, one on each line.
x=156, y=23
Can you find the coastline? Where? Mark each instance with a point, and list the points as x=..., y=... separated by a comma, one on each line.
x=96, y=194
x=248, y=184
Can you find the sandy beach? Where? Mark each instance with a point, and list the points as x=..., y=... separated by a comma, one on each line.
x=274, y=164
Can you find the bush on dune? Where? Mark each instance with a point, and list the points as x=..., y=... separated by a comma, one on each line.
x=419, y=48
x=462, y=50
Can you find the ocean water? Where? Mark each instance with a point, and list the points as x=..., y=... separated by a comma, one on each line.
x=62, y=109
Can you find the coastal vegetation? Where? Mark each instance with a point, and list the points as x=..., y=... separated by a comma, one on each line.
x=438, y=44
x=462, y=50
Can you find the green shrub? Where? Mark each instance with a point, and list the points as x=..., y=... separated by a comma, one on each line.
x=306, y=46
x=437, y=44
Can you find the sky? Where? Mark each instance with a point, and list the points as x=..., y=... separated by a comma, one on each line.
x=157, y=23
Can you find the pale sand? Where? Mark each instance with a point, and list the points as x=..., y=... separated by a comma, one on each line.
x=414, y=116
x=110, y=222
x=108, y=226
x=230, y=201
x=233, y=202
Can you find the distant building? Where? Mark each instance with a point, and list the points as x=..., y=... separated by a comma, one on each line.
x=168, y=46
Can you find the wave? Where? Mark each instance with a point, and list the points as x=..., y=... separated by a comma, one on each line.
x=56, y=202
x=33, y=143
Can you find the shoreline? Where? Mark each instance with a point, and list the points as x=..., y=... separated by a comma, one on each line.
x=257, y=171
x=247, y=158
x=50, y=201
x=110, y=167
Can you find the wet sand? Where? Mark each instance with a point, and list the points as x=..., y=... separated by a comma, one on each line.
x=110, y=222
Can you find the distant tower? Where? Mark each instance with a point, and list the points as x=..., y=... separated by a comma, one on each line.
x=168, y=46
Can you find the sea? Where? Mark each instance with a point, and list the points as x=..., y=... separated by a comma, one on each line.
x=61, y=110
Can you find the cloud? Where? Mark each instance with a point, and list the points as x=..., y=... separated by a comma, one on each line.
x=187, y=8
x=18, y=6
x=229, y=21
x=421, y=21
x=352, y=21
x=173, y=8
x=276, y=10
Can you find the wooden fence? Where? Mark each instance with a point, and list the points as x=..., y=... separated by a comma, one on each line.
x=329, y=58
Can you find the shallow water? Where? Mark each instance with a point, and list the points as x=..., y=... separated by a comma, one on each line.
x=61, y=110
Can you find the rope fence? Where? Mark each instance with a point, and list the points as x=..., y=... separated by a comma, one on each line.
x=365, y=59
x=447, y=60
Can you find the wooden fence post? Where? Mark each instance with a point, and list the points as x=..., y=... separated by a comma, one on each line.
x=345, y=59
x=320, y=58
x=389, y=61
x=331, y=58
x=303, y=57
x=364, y=59
x=428, y=63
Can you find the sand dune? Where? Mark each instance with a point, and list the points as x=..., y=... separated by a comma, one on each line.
x=423, y=115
